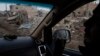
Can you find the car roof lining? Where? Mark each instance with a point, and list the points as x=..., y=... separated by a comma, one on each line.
x=56, y=2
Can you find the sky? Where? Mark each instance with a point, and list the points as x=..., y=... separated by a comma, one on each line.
x=3, y=6
x=97, y=1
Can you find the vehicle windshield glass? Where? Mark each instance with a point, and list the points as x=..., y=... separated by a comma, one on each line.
x=21, y=19
x=75, y=23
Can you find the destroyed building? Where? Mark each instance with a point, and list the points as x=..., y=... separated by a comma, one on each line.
x=30, y=15
x=19, y=15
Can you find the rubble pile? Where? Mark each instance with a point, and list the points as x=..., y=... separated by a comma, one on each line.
x=77, y=34
x=74, y=22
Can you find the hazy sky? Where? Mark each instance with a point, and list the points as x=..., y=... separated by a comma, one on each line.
x=3, y=6
x=97, y=1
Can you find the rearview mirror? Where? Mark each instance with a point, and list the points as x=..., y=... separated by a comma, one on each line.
x=62, y=34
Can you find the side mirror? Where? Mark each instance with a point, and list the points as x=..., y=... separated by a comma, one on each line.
x=61, y=37
x=62, y=34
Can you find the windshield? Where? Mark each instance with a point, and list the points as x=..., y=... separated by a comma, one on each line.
x=21, y=19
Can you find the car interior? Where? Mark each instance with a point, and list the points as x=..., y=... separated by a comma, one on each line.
x=39, y=39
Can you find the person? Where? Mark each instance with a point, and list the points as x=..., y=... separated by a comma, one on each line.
x=92, y=34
